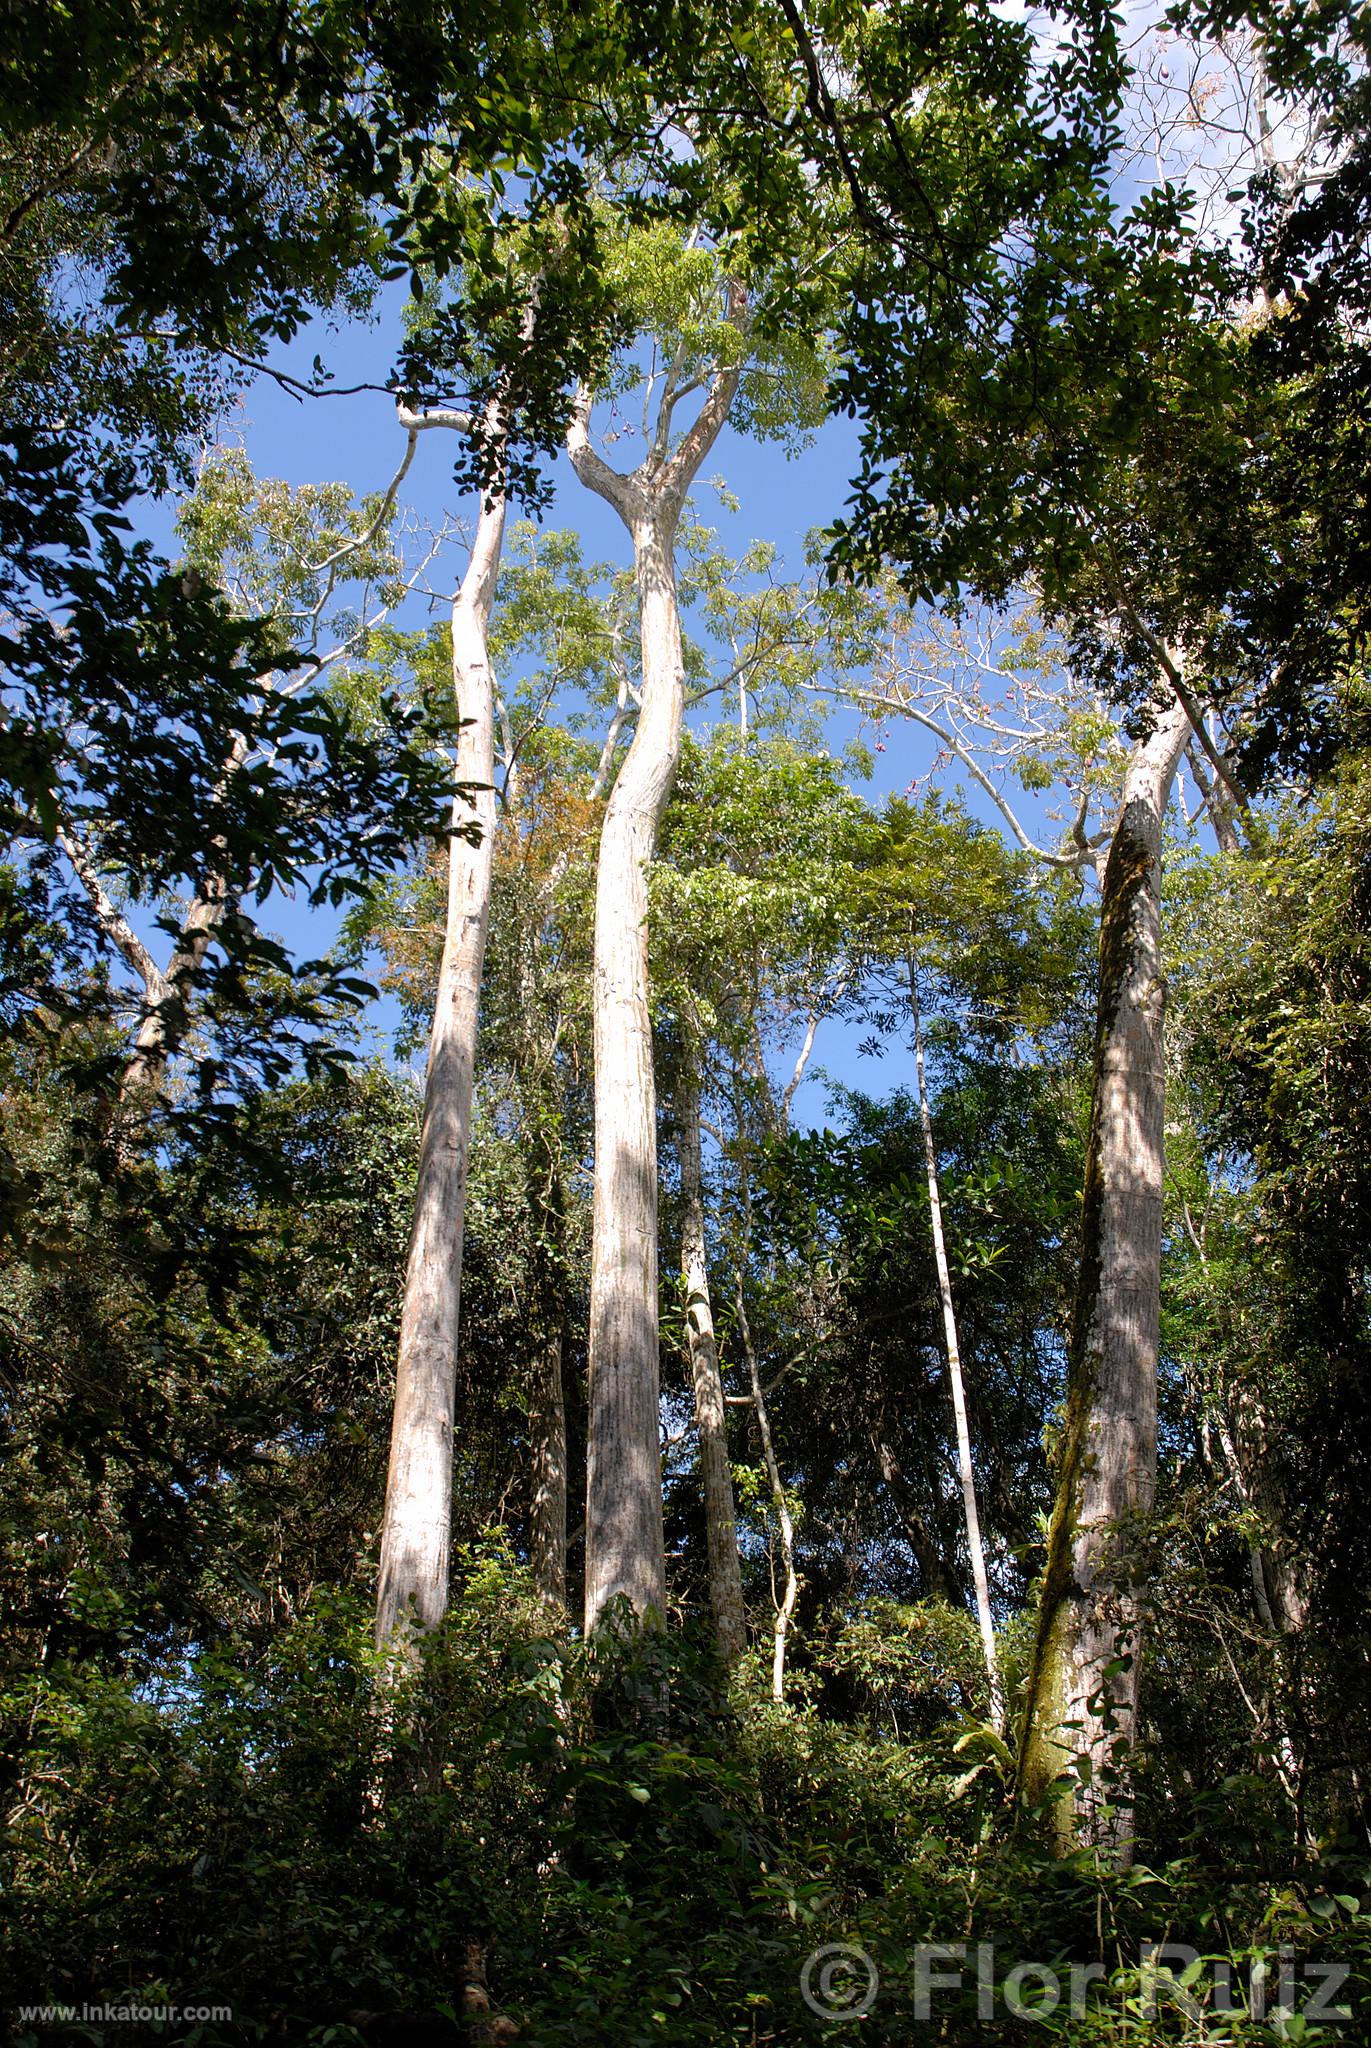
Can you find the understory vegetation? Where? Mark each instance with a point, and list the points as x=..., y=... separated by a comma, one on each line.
x=685, y=1175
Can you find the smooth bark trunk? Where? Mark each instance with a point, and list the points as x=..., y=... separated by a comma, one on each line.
x=965, y=1469
x=716, y=1473
x=624, y=1545
x=625, y=1551
x=785, y=1604
x=1083, y=1687
x=167, y=996
x=416, y=1531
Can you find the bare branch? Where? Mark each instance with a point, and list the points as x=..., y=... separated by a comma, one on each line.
x=358, y=541
x=434, y=416
x=1082, y=857
x=617, y=723
x=801, y=1062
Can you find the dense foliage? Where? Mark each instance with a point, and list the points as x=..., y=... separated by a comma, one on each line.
x=1095, y=291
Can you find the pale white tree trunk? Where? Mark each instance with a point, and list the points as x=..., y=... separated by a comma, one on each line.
x=716, y=1474
x=625, y=1554
x=785, y=1605
x=111, y=919
x=167, y=994
x=965, y=1469
x=416, y=1530
x=624, y=1545
x=166, y=1012
x=1083, y=1688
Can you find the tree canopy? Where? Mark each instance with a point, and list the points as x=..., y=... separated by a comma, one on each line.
x=684, y=929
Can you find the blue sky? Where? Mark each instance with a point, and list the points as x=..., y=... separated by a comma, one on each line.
x=355, y=439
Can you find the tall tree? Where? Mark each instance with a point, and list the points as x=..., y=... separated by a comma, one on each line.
x=558, y=637
x=412, y=1582
x=624, y=1545
x=1083, y=1691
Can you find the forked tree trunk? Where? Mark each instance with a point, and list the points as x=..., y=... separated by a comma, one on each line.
x=965, y=1469
x=1083, y=1687
x=624, y=1544
x=167, y=995
x=625, y=1552
x=416, y=1532
x=166, y=1015
x=716, y=1474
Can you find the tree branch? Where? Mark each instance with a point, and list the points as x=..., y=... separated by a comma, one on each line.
x=112, y=922
x=358, y=541
x=590, y=466
x=684, y=465
x=1081, y=858
x=798, y=1071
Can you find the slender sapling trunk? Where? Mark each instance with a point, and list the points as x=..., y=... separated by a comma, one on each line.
x=716, y=1475
x=966, y=1472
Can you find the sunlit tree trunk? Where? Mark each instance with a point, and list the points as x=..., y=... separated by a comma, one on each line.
x=624, y=1545
x=789, y=1592
x=625, y=1555
x=1083, y=1688
x=716, y=1475
x=416, y=1530
x=965, y=1469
